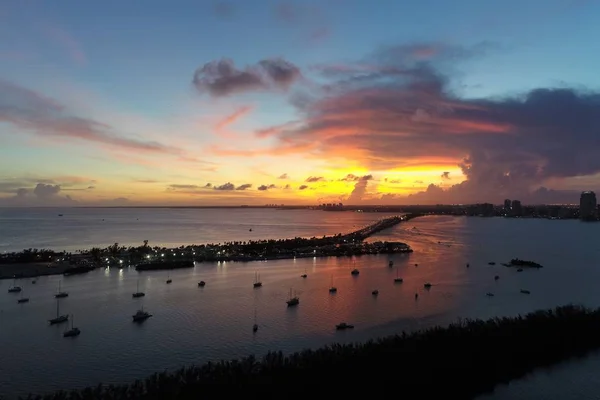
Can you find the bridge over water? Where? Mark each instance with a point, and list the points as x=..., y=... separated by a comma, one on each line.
x=378, y=226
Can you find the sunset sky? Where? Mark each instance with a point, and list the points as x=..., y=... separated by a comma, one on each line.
x=206, y=102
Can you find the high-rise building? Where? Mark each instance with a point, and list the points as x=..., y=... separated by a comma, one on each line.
x=507, y=204
x=588, y=207
x=516, y=209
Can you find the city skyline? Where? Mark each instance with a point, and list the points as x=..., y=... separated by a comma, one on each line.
x=213, y=102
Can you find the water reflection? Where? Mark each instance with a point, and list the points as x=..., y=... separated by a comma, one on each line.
x=192, y=324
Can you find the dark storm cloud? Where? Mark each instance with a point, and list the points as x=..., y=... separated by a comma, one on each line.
x=400, y=107
x=222, y=78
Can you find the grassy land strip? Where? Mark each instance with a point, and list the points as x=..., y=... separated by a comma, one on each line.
x=460, y=361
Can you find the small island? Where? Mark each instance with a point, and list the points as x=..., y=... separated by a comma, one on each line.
x=516, y=262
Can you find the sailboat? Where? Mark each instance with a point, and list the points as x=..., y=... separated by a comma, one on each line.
x=14, y=288
x=59, y=318
x=398, y=279
x=391, y=264
x=257, y=282
x=332, y=289
x=73, y=331
x=169, y=280
x=23, y=299
x=355, y=271
x=141, y=315
x=59, y=294
x=293, y=301
x=137, y=292
x=304, y=275
x=255, y=326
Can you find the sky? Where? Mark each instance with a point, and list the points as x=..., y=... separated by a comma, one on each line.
x=183, y=103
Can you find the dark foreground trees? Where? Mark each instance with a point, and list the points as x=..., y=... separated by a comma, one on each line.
x=458, y=362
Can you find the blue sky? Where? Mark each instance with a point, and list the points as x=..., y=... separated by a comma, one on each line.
x=130, y=64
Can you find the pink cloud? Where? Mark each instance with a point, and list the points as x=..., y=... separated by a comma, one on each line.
x=67, y=42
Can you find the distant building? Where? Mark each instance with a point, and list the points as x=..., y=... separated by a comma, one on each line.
x=516, y=209
x=588, y=207
x=507, y=206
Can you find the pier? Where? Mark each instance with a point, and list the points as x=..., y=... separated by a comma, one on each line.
x=376, y=227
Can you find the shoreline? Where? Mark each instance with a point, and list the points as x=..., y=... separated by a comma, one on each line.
x=451, y=361
x=27, y=263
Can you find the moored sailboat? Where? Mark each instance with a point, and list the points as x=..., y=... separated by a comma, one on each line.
x=59, y=319
x=73, y=331
x=257, y=282
x=60, y=294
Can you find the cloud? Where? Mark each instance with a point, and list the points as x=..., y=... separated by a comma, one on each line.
x=272, y=186
x=311, y=179
x=359, y=191
x=44, y=116
x=232, y=118
x=274, y=130
x=145, y=180
x=208, y=185
x=303, y=187
x=42, y=194
x=225, y=186
x=393, y=181
x=183, y=187
x=401, y=107
x=67, y=42
x=445, y=175
x=43, y=191
x=287, y=187
x=222, y=78
x=223, y=9
x=283, y=176
x=244, y=186
x=355, y=178
x=263, y=188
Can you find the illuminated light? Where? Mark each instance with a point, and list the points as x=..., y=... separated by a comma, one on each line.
x=120, y=261
x=162, y=255
x=148, y=256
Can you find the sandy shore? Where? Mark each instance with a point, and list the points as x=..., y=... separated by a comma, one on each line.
x=28, y=270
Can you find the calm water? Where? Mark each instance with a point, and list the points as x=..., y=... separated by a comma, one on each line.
x=193, y=325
